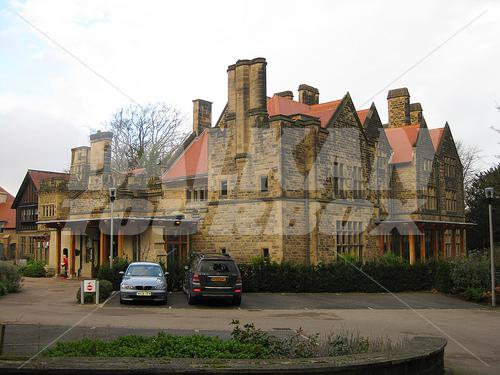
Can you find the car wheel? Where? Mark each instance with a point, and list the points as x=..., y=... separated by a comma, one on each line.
x=237, y=300
x=191, y=300
x=123, y=302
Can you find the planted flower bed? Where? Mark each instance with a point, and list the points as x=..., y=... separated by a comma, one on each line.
x=246, y=342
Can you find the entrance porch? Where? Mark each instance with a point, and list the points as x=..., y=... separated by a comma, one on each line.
x=420, y=240
x=87, y=242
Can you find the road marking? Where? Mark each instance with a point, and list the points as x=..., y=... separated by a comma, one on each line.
x=369, y=308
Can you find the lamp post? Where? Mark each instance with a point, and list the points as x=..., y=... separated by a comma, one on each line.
x=112, y=197
x=489, y=191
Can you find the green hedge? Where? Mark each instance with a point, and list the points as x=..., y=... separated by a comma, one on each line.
x=33, y=268
x=10, y=279
x=389, y=272
x=105, y=290
x=377, y=275
x=112, y=274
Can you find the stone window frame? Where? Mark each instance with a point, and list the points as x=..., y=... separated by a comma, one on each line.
x=265, y=178
x=338, y=179
x=197, y=196
x=357, y=182
x=223, y=182
x=49, y=210
x=349, y=238
x=266, y=253
x=451, y=200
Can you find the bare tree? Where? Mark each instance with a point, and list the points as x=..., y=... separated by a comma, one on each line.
x=144, y=136
x=469, y=156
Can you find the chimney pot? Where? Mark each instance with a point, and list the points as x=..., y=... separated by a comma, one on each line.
x=285, y=94
x=202, y=115
x=308, y=94
x=398, y=102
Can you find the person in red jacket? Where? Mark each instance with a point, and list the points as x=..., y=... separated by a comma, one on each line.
x=65, y=265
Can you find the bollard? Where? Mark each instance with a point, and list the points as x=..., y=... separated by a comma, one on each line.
x=82, y=296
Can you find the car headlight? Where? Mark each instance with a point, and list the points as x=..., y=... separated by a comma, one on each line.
x=127, y=286
x=160, y=286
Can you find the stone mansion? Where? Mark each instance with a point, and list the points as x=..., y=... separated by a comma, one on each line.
x=286, y=177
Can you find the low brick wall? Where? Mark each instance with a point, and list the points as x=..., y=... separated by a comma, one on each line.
x=424, y=355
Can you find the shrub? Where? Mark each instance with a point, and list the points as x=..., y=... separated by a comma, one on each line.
x=3, y=289
x=176, y=273
x=105, y=290
x=475, y=294
x=33, y=268
x=10, y=278
x=112, y=274
x=472, y=272
x=160, y=345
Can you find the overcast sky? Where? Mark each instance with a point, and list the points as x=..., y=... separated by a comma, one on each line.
x=178, y=51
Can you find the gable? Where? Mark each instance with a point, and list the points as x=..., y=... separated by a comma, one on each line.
x=192, y=162
x=28, y=192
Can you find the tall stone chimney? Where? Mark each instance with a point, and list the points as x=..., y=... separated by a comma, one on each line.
x=416, y=116
x=247, y=101
x=308, y=94
x=398, y=101
x=80, y=167
x=202, y=115
x=100, y=160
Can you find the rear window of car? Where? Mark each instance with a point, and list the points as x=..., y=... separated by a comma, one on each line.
x=215, y=265
x=145, y=270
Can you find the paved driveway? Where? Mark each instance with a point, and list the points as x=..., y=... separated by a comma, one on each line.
x=47, y=308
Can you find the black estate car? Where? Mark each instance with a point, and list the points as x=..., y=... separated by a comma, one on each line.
x=213, y=276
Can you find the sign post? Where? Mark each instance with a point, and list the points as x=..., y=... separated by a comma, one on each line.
x=89, y=286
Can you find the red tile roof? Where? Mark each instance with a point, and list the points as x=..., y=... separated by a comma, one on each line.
x=403, y=139
x=279, y=105
x=362, y=115
x=192, y=162
x=7, y=214
x=436, y=136
x=38, y=176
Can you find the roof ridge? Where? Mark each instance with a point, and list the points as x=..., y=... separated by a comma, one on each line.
x=45, y=171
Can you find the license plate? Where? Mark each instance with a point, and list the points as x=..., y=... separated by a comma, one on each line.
x=143, y=293
x=218, y=278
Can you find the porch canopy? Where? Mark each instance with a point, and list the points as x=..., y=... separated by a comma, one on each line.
x=125, y=225
x=122, y=226
x=410, y=226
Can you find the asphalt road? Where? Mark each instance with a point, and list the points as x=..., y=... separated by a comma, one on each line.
x=316, y=301
x=47, y=308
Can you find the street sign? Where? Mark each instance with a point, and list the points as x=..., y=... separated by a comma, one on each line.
x=89, y=286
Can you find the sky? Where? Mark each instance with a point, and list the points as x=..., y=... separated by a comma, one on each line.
x=66, y=66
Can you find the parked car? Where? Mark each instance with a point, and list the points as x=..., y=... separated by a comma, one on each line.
x=213, y=276
x=143, y=281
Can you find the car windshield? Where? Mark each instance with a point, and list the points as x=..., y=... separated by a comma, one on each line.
x=217, y=266
x=148, y=270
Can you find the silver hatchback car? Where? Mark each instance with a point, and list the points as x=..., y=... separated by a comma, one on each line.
x=143, y=281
